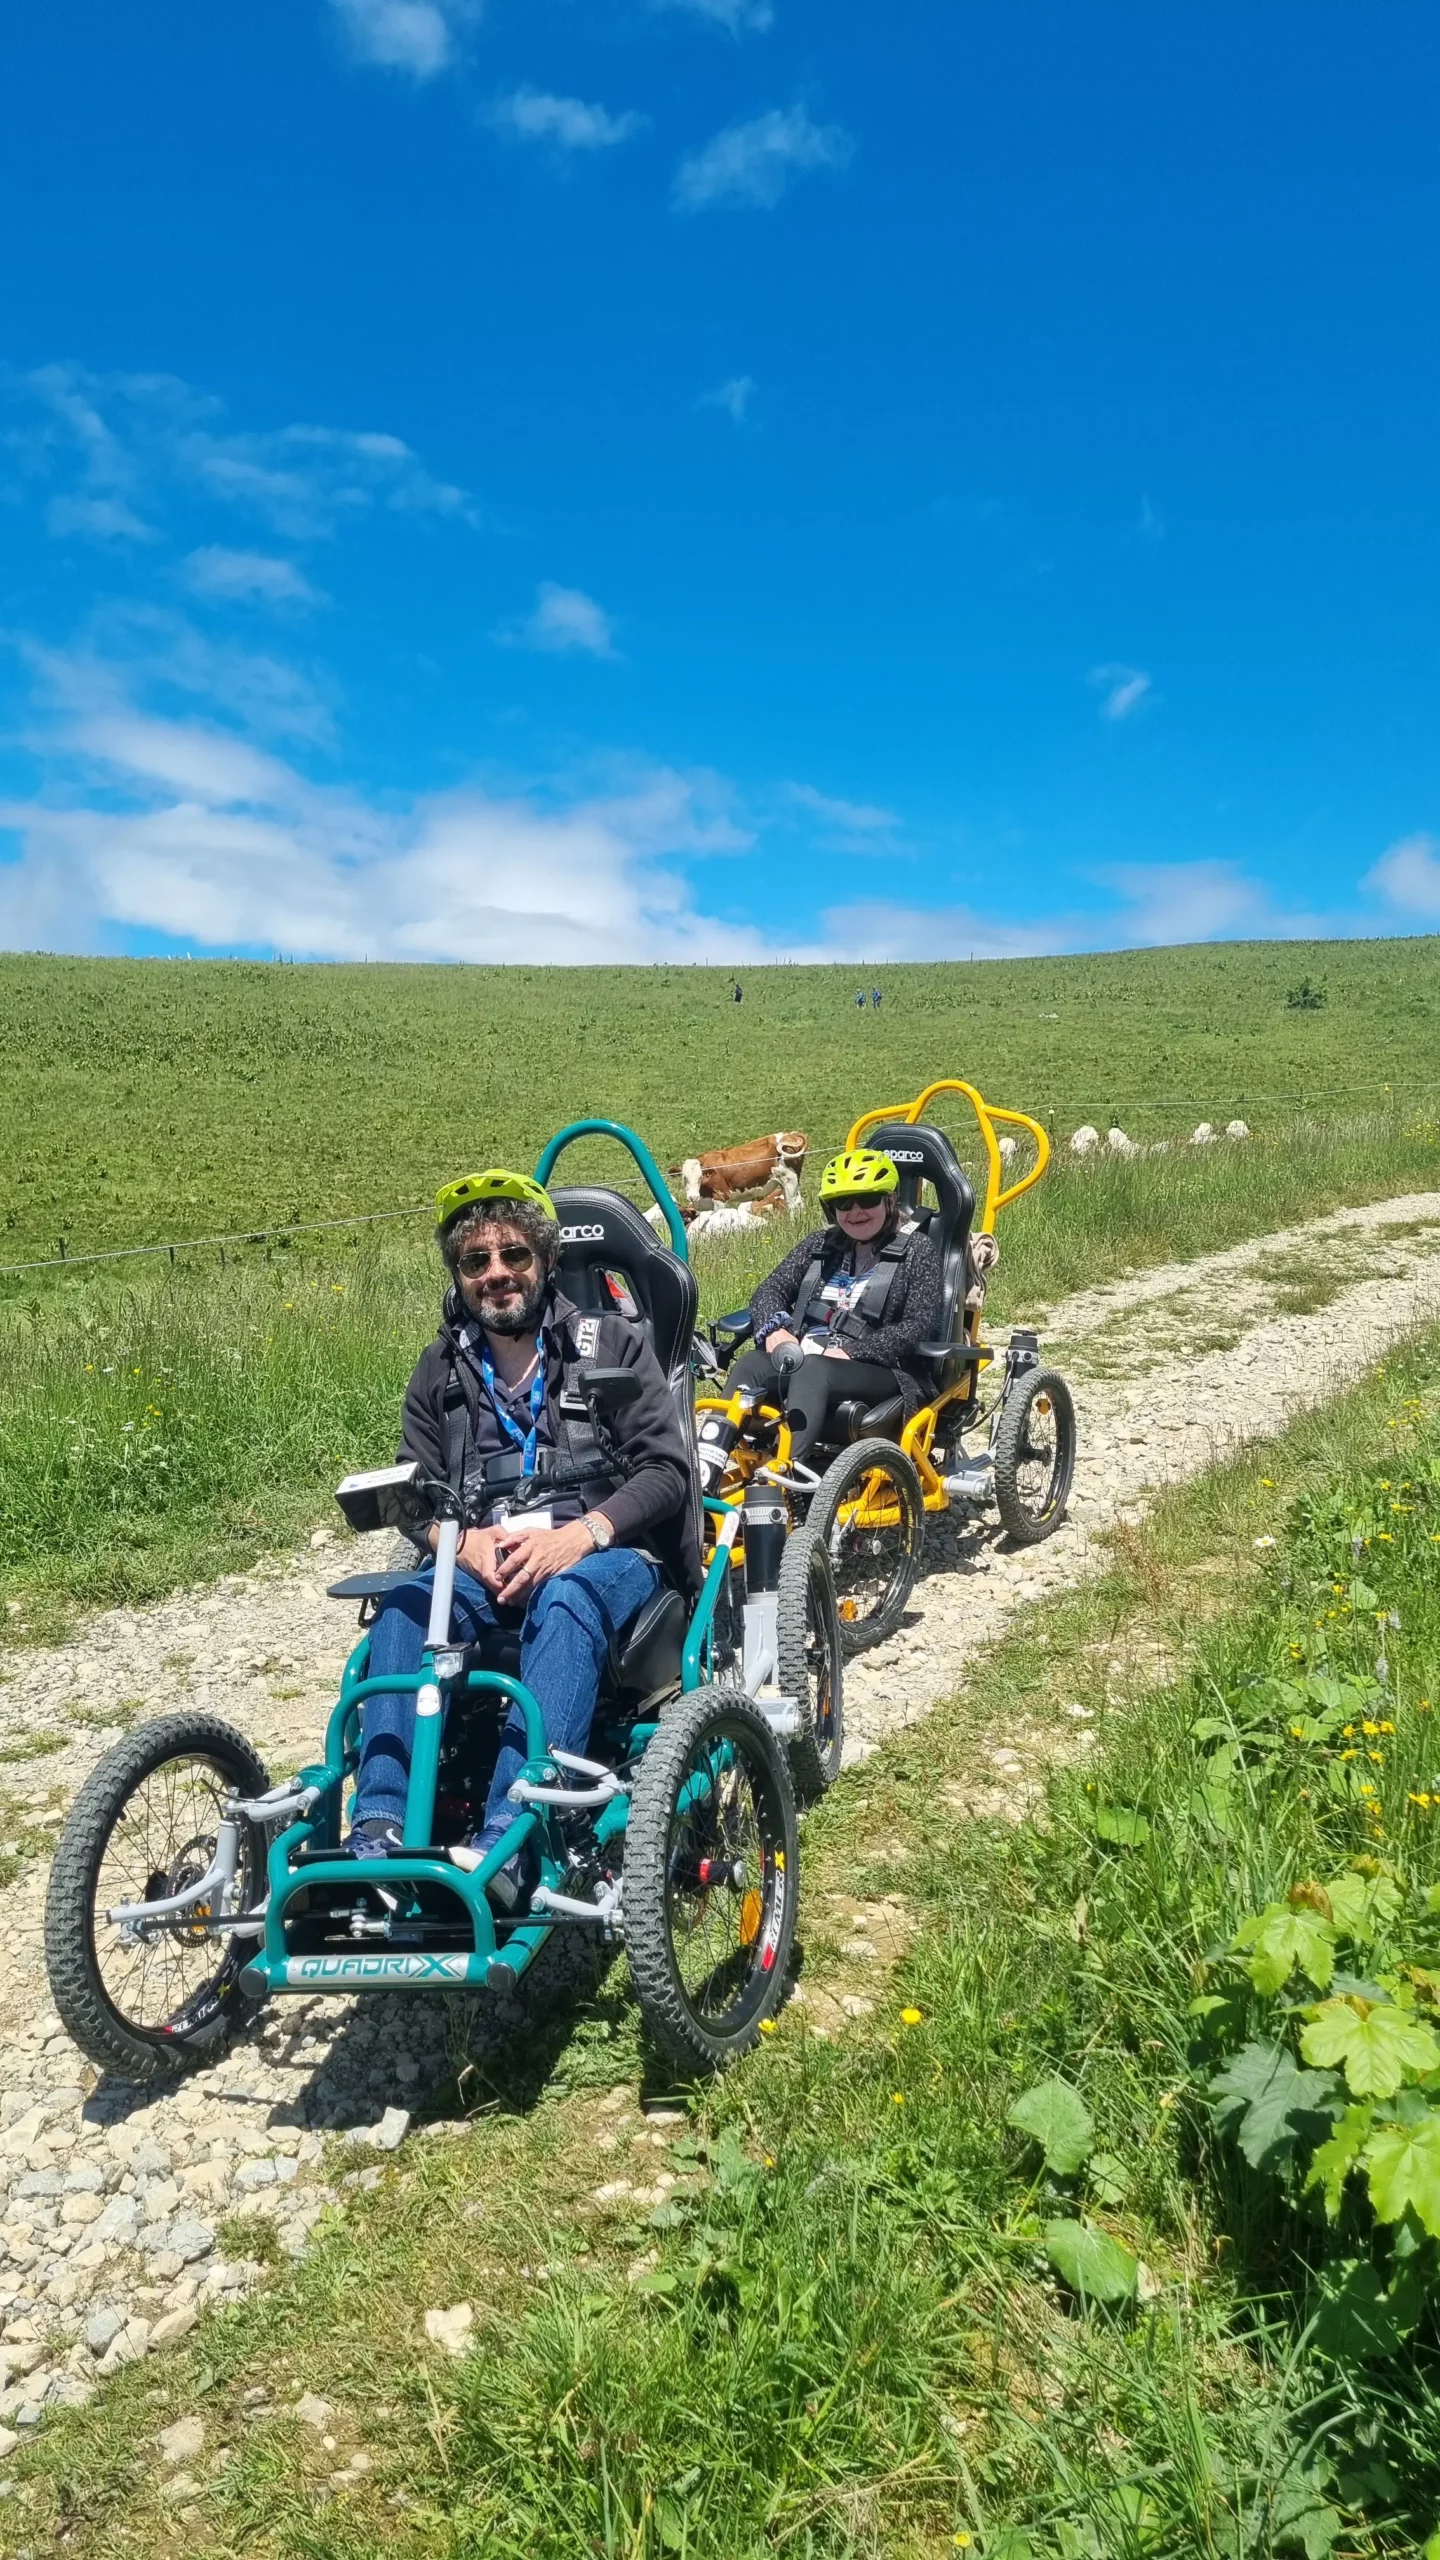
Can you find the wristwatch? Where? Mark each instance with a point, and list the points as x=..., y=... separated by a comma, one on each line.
x=602, y=1531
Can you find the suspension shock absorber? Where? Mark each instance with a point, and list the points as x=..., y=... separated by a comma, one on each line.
x=718, y=1435
x=766, y=1527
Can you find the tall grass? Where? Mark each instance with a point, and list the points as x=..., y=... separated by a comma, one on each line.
x=166, y=1428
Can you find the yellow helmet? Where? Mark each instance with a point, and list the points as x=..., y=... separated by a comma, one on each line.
x=862, y=1173
x=471, y=1190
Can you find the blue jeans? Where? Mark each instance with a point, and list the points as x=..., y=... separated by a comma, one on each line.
x=563, y=1642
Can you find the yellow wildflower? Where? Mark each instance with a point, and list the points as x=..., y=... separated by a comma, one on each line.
x=767, y=2026
x=897, y=2097
x=1349, y=1755
x=910, y=2017
x=1423, y=1800
x=1385, y=1725
x=1369, y=1726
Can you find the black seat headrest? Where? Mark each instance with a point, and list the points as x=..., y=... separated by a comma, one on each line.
x=923, y=1154
x=612, y=1263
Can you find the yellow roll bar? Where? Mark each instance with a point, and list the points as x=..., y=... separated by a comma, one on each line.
x=987, y=1113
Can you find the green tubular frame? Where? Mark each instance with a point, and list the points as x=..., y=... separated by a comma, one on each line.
x=275, y=1969
x=626, y=1138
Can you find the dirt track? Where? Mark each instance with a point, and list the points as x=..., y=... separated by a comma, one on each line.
x=110, y=2201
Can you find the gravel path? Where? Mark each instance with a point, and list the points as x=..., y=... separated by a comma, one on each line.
x=111, y=2200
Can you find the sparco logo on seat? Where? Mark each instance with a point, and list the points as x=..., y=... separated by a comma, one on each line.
x=904, y=1155
x=582, y=1235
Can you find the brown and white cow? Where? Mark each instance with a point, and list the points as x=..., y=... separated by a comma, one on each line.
x=724, y=1173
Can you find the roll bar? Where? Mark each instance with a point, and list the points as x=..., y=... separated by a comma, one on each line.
x=997, y=1197
x=626, y=1138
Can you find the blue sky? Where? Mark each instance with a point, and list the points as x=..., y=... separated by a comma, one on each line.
x=625, y=479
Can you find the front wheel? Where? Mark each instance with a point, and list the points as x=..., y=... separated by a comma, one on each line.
x=1034, y=1455
x=809, y=1662
x=143, y=1828
x=712, y=1872
x=870, y=1510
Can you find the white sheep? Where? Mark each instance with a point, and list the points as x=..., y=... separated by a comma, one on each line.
x=1236, y=1129
x=1085, y=1141
x=1120, y=1145
x=1204, y=1136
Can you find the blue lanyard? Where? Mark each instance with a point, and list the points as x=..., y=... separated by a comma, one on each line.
x=524, y=1441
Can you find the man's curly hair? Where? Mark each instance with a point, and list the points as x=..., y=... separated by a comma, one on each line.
x=525, y=1217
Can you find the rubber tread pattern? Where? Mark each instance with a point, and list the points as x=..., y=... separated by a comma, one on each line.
x=653, y=1971
x=839, y=1477
x=75, y=1984
x=1025, y=1526
x=807, y=1581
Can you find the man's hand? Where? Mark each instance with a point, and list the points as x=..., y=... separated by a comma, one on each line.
x=528, y=1557
x=477, y=1552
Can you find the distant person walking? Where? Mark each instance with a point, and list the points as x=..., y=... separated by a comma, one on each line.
x=875, y=998
x=860, y=999
x=739, y=992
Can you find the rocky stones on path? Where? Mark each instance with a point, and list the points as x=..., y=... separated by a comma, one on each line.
x=389, y=2133
x=452, y=2329
x=184, y=2442
x=313, y=2411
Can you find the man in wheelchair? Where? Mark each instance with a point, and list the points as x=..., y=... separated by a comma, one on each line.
x=844, y=1314
x=495, y=1408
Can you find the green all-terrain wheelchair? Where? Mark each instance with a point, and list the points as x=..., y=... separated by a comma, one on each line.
x=185, y=1885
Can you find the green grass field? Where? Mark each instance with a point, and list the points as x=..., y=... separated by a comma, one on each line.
x=156, y=1099
x=163, y=1423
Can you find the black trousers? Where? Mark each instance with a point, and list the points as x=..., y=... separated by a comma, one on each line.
x=810, y=1390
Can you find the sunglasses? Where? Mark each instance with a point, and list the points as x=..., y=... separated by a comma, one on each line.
x=511, y=1257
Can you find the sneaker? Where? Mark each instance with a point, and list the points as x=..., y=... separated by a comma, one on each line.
x=377, y=1837
x=511, y=1885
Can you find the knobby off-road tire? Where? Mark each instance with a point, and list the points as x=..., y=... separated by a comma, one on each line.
x=712, y=1873
x=810, y=1662
x=1035, y=1456
x=875, y=1564
x=142, y=1826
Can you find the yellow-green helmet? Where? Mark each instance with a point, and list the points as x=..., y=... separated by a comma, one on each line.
x=472, y=1190
x=862, y=1173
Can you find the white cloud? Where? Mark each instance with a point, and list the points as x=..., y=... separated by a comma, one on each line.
x=752, y=164
x=1149, y=527
x=733, y=397
x=246, y=577
x=121, y=443
x=225, y=848
x=739, y=16
x=418, y=36
x=103, y=519
x=851, y=817
x=1407, y=877
x=565, y=621
x=533, y=115
x=1125, y=690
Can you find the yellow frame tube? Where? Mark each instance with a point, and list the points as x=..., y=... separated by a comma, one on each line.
x=986, y=1113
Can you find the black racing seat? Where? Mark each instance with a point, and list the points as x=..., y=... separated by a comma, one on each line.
x=925, y=1155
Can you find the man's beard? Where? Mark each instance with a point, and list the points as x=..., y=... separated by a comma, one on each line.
x=514, y=1314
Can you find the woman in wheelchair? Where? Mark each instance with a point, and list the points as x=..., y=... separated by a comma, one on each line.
x=842, y=1318
x=494, y=1407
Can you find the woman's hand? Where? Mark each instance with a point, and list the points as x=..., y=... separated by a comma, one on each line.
x=833, y=1351
x=778, y=1340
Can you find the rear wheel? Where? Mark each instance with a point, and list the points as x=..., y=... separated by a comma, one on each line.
x=711, y=1878
x=142, y=1829
x=809, y=1662
x=1034, y=1455
x=870, y=1510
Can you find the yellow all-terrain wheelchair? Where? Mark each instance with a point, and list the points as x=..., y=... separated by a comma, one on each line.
x=879, y=1475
